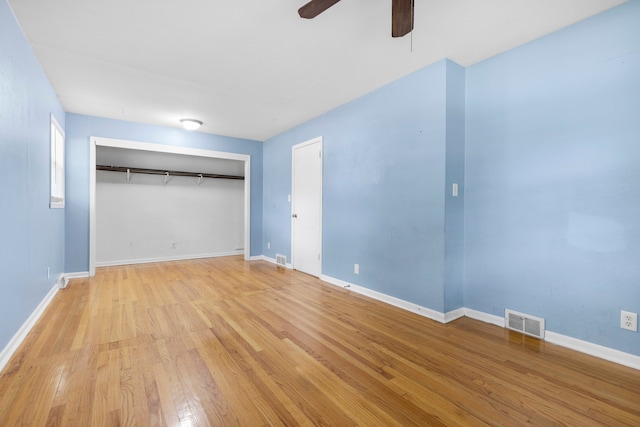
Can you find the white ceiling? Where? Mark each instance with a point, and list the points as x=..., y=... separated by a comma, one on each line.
x=253, y=68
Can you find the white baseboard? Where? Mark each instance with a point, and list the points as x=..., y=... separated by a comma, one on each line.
x=77, y=275
x=484, y=317
x=273, y=261
x=596, y=350
x=397, y=302
x=165, y=259
x=17, y=339
x=602, y=352
x=586, y=347
x=450, y=316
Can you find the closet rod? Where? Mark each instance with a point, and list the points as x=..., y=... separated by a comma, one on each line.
x=164, y=172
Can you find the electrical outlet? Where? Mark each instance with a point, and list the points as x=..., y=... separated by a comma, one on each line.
x=356, y=268
x=268, y=245
x=629, y=321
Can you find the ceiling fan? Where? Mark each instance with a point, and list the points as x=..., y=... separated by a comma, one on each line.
x=401, y=14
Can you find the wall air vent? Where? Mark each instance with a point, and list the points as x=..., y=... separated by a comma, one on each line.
x=281, y=260
x=525, y=323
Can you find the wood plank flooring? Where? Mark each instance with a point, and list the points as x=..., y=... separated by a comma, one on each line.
x=223, y=342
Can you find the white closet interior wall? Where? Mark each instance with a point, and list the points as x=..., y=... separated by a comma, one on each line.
x=146, y=220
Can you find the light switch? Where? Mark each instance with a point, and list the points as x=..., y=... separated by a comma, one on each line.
x=455, y=190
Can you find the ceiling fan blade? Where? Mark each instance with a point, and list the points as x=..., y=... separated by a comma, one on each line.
x=401, y=17
x=315, y=8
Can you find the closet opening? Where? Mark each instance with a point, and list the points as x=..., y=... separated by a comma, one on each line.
x=153, y=203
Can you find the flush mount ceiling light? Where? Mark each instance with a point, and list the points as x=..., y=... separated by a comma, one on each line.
x=190, y=124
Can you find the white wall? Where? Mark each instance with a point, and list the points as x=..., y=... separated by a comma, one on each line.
x=140, y=220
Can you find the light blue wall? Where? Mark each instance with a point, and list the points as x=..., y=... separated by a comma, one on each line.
x=80, y=128
x=552, y=210
x=32, y=234
x=384, y=185
x=454, y=173
x=547, y=221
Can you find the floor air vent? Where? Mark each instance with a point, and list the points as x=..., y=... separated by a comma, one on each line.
x=281, y=260
x=525, y=323
x=62, y=281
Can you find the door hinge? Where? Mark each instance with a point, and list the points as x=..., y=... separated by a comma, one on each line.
x=320, y=154
x=318, y=257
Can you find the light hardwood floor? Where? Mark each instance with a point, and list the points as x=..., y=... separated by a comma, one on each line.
x=223, y=342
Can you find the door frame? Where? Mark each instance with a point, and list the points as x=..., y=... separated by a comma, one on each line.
x=161, y=148
x=318, y=139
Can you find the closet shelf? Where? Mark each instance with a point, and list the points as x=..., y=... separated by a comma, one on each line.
x=165, y=172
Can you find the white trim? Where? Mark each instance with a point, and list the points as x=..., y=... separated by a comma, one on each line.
x=92, y=207
x=165, y=259
x=450, y=316
x=602, y=352
x=171, y=149
x=247, y=207
x=484, y=317
x=268, y=259
x=397, y=302
x=315, y=140
x=56, y=200
x=56, y=204
x=273, y=261
x=160, y=148
x=22, y=333
x=77, y=275
x=586, y=347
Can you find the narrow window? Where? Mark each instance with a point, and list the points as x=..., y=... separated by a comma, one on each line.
x=57, y=165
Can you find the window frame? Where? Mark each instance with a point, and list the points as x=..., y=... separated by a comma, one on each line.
x=57, y=184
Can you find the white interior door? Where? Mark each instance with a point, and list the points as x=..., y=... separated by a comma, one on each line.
x=306, y=207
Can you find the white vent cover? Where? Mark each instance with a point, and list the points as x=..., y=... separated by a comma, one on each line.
x=525, y=323
x=62, y=281
x=281, y=260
